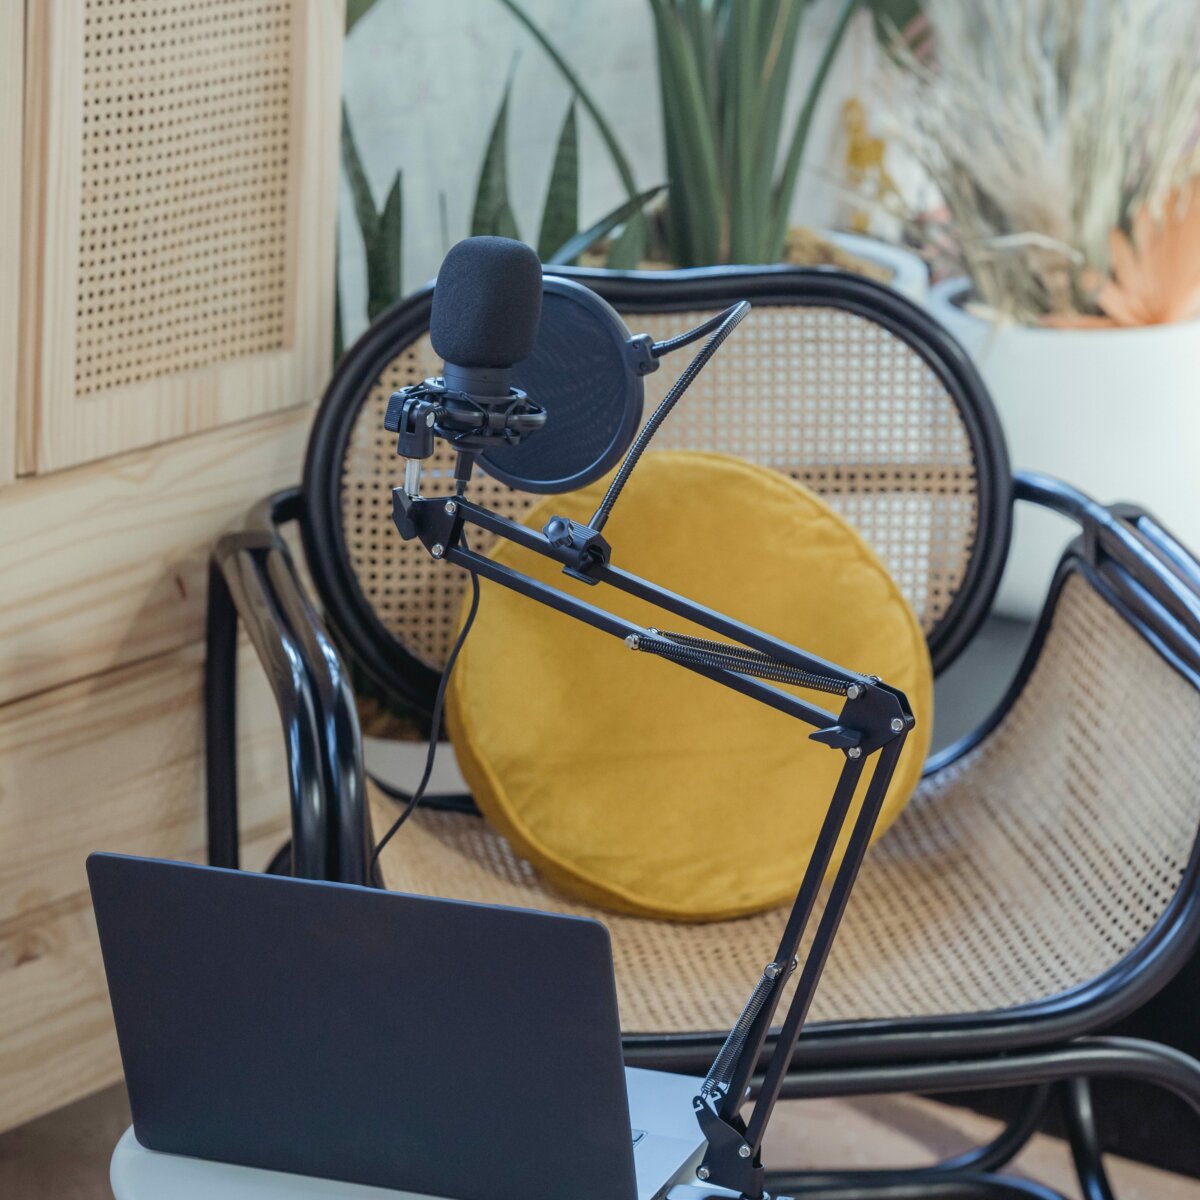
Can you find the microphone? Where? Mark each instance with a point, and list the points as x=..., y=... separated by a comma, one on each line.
x=487, y=304
x=486, y=321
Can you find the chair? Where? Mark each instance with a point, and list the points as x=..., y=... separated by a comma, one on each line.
x=1042, y=882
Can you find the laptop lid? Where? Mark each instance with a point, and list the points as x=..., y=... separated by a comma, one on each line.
x=421, y=1044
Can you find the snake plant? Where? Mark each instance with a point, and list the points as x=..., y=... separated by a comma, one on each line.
x=733, y=154
x=559, y=238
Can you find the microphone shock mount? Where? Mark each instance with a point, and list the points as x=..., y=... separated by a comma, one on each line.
x=490, y=413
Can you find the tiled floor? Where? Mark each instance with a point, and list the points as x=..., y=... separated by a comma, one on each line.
x=65, y=1156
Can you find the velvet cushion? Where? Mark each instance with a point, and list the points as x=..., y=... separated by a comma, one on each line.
x=635, y=784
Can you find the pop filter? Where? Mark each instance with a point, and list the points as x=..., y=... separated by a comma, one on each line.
x=586, y=371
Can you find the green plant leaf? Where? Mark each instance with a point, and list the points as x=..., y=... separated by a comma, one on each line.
x=785, y=187
x=626, y=211
x=696, y=201
x=492, y=214
x=356, y=10
x=384, y=254
x=892, y=16
x=560, y=214
x=629, y=246
x=381, y=231
x=620, y=161
x=360, y=188
x=339, y=336
x=750, y=209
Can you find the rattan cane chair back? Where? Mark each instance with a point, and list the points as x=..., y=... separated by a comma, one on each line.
x=835, y=382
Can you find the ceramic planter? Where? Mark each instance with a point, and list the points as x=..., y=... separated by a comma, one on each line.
x=1115, y=412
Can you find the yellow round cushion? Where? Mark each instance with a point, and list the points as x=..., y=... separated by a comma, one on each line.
x=634, y=784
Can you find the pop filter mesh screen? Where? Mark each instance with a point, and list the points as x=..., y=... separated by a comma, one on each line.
x=580, y=373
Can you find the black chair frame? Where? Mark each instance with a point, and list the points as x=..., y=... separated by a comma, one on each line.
x=1047, y=1047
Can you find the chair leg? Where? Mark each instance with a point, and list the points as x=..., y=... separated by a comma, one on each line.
x=1080, y=1117
x=220, y=721
x=963, y=1187
x=1070, y=1066
x=973, y=1165
x=1112, y=1057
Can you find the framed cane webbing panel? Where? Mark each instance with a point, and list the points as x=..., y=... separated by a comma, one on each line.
x=12, y=40
x=180, y=193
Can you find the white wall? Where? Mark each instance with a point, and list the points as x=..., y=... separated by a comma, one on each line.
x=423, y=80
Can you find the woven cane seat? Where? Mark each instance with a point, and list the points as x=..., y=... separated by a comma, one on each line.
x=1027, y=867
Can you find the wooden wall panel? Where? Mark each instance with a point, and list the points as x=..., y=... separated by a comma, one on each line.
x=180, y=191
x=168, y=175
x=107, y=564
x=113, y=763
x=12, y=43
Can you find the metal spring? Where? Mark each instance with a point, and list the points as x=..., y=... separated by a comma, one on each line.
x=696, y=651
x=719, y=1073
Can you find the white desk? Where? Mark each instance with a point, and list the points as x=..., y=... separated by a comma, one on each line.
x=140, y=1174
x=662, y=1102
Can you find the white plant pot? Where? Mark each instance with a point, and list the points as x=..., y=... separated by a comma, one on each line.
x=910, y=276
x=1115, y=413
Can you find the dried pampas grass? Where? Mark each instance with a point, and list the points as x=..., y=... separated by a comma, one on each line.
x=1155, y=272
x=1047, y=125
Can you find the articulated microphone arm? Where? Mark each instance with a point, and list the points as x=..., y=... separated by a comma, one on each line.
x=873, y=722
x=486, y=309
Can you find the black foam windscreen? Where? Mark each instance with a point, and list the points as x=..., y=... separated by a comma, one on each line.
x=584, y=370
x=486, y=303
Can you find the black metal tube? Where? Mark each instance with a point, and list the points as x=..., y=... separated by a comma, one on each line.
x=961, y=1187
x=1158, y=562
x=797, y=923
x=220, y=722
x=664, y=598
x=597, y=618
x=291, y=680
x=979, y=1160
x=814, y=963
x=1120, y=1058
x=1080, y=1118
x=347, y=837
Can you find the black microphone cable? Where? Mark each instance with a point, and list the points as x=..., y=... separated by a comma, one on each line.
x=435, y=729
x=718, y=328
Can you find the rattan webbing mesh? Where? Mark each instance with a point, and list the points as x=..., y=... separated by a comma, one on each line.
x=1030, y=866
x=822, y=395
x=183, y=238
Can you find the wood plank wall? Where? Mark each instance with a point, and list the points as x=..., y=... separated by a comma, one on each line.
x=104, y=538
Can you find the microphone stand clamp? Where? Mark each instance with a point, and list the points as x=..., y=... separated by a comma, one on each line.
x=581, y=549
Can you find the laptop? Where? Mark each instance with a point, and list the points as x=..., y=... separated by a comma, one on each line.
x=430, y=1046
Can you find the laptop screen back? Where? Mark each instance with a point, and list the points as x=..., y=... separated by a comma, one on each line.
x=426, y=1045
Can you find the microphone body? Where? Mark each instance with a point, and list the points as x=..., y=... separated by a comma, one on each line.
x=487, y=303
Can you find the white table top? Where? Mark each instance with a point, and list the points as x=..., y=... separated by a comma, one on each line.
x=661, y=1102
x=140, y=1174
